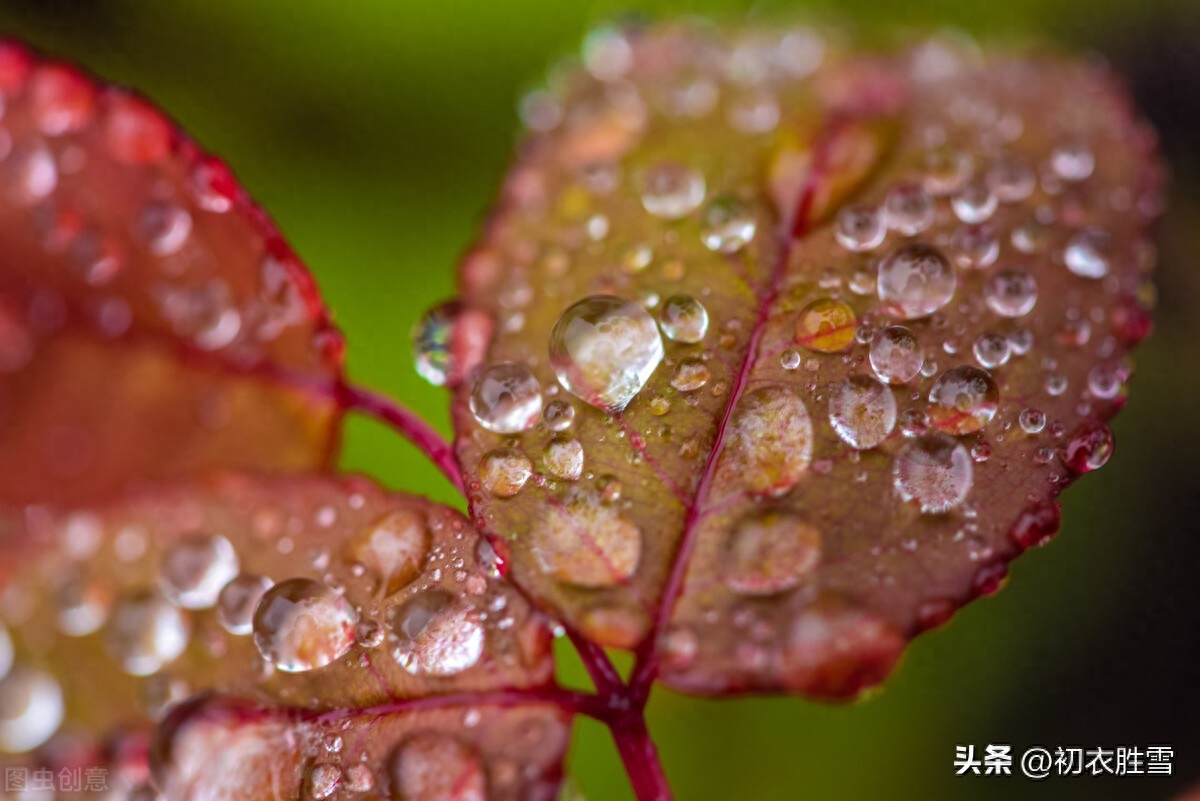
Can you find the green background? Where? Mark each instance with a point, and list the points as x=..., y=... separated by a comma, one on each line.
x=375, y=132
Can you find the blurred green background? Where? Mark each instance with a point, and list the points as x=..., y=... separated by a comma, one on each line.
x=375, y=132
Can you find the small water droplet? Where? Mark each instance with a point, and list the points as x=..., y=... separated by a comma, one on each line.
x=586, y=543
x=1089, y=447
x=690, y=375
x=915, y=281
x=860, y=228
x=1011, y=293
x=992, y=350
x=448, y=342
x=975, y=247
x=1012, y=181
x=933, y=470
x=82, y=604
x=322, y=781
x=1032, y=420
x=558, y=415
x=504, y=471
x=671, y=190
x=1072, y=161
x=963, y=400
x=393, y=547
x=908, y=208
x=946, y=170
x=145, y=632
x=564, y=458
x=302, y=625
x=31, y=709
x=194, y=570
x=789, y=359
x=826, y=326
x=1087, y=253
x=506, y=398
x=238, y=600
x=604, y=349
x=683, y=319
x=862, y=411
x=975, y=203
x=433, y=766
x=164, y=227
x=896, y=355
x=729, y=225
x=439, y=636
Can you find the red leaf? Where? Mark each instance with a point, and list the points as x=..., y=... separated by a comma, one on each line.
x=757, y=510
x=381, y=624
x=151, y=316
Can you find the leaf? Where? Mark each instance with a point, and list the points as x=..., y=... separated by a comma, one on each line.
x=735, y=493
x=409, y=640
x=153, y=323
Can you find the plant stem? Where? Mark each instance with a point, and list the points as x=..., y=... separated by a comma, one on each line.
x=640, y=757
x=405, y=422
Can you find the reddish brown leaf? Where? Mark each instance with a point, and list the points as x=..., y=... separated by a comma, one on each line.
x=144, y=301
x=764, y=513
x=126, y=609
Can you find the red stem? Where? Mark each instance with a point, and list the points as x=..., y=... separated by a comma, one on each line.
x=640, y=757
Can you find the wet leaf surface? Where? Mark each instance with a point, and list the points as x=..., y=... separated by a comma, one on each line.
x=918, y=277
x=325, y=606
x=149, y=311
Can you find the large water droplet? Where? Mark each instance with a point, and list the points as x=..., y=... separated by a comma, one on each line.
x=604, y=349
x=194, y=570
x=507, y=398
x=432, y=766
x=438, y=635
x=1011, y=293
x=586, y=543
x=671, y=190
x=393, y=548
x=683, y=319
x=771, y=553
x=145, y=632
x=826, y=326
x=31, y=710
x=301, y=625
x=896, y=355
x=935, y=471
x=862, y=411
x=770, y=446
x=915, y=281
x=963, y=400
x=238, y=600
x=729, y=225
x=504, y=471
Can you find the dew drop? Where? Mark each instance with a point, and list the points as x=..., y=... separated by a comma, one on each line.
x=671, y=190
x=6, y=651
x=1011, y=181
x=728, y=225
x=586, y=543
x=683, y=319
x=1104, y=382
x=975, y=203
x=438, y=635
x=771, y=553
x=690, y=375
x=789, y=359
x=506, y=398
x=432, y=766
x=1032, y=420
x=31, y=710
x=826, y=326
x=322, y=781
x=862, y=412
x=1089, y=447
x=448, y=342
x=558, y=415
x=1011, y=293
x=771, y=442
x=194, y=570
x=992, y=350
x=238, y=600
x=963, y=400
x=860, y=228
x=896, y=355
x=82, y=604
x=164, y=227
x=1072, y=161
x=393, y=547
x=946, y=170
x=504, y=471
x=915, y=281
x=30, y=174
x=908, y=209
x=564, y=458
x=1087, y=253
x=302, y=625
x=975, y=247
x=604, y=349
x=933, y=470
x=145, y=632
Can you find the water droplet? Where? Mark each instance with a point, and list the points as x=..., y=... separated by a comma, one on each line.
x=439, y=636
x=683, y=319
x=935, y=471
x=771, y=553
x=896, y=355
x=1011, y=293
x=586, y=543
x=604, y=349
x=62, y=100
x=6, y=651
x=671, y=190
x=30, y=174
x=1104, y=382
x=607, y=54
x=860, y=228
x=448, y=342
x=992, y=350
x=194, y=570
x=963, y=400
x=164, y=227
x=789, y=359
x=432, y=766
x=690, y=375
x=974, y=203
x=238, y=600
x=659, y=406
x=558, y=415
x=506, y=398
x=771, y=443
x=145, y=632
x=729, y=225
x=862, y=411
x=564, y=458
x=82, y=604
x=1087, y=253
x=946, y=170
x=1072, y=161
x=915, y=281
x=826, y=326
x=975, y=247
x=31, y=710
x=909, y=209
x=394, y=548
x=302, y=625
x=322, y=781
x=1089, y=447
x=504, y=471
x=1011, y=180
x=1032, y=420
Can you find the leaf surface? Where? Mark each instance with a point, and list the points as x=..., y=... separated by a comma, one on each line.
x=746, y=502
x=149, y=311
